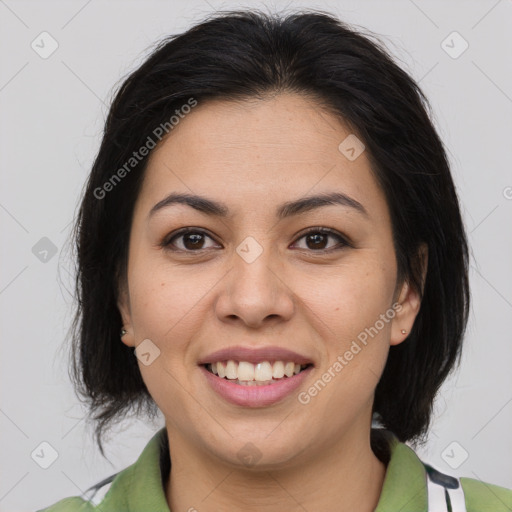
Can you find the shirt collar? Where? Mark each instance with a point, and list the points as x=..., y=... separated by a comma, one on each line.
x=405, y=482
x=139, y=487
x=141, y=483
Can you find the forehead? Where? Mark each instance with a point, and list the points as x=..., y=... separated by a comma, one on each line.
x=286, y=125
x=259, y=151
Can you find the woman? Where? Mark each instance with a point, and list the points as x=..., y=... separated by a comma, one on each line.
x=271, y=252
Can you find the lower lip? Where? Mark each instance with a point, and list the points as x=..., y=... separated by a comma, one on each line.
x=255, y=396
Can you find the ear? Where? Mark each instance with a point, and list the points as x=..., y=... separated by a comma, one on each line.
x=410, y=301
x=123, y=304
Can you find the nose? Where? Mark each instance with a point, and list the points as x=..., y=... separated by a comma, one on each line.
x=255, y=293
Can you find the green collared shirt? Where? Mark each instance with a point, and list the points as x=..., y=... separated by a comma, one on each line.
x=139, y=487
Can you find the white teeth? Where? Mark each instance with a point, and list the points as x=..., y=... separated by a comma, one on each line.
x=231, y=370
x=245, y=371
x=263, y=373
x=278, y=370
x=289, y=369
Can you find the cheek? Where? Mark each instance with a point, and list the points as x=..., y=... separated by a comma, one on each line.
x=350, y=298
x=348, y=311
x=168, y=301
x=160, y=306
x=166, y=306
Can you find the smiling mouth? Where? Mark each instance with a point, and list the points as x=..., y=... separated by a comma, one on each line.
x=261, y=374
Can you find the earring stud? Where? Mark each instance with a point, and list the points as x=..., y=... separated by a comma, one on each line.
x=404, y=331
x=123, y=332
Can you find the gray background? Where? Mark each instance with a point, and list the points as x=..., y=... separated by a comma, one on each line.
x=52, y=111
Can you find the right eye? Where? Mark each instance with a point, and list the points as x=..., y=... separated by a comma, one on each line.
x=186, y=240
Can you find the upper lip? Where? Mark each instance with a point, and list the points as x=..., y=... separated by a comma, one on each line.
x=255, y=355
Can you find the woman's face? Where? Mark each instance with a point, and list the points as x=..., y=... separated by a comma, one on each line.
x=250, y=277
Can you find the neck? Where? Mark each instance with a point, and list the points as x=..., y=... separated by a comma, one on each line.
x=344, y=478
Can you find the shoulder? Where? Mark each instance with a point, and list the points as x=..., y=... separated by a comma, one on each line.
x=90, y=500
x=463, y=494
x=412, y=484
x=74, y=504
x=133, y=488
x=482, y=496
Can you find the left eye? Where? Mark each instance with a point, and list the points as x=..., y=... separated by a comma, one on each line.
x=317, y=240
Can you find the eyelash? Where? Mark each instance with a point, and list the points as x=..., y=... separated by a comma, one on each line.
x=342, y=241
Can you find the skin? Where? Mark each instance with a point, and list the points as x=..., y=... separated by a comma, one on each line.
x=253, y=156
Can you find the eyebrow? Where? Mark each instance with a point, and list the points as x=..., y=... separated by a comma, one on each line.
x=288, y=209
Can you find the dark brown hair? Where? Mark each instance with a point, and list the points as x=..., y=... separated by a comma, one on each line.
x=248, y=54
